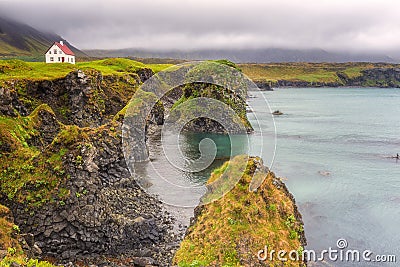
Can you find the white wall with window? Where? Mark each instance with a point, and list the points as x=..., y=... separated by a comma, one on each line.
x=55, y=54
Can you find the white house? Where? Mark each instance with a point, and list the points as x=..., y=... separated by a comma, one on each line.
x=59, y=53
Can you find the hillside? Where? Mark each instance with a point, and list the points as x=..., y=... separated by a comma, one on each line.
x=21, y=40
x=245, y=55
x=323, y=74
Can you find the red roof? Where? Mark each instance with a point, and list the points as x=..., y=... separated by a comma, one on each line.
x=65, y=49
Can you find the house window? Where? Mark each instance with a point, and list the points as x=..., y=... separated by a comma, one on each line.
x=55, y=51
x=60, y=52
x=51, y=58
x=59, y=59
x=72, y=59
x=50, y=52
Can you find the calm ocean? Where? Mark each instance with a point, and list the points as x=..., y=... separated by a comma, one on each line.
x=333, y=150
x=333, y=146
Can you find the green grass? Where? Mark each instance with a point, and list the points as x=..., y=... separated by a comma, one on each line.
x=113, y=65
x=29, y=175
x=18, y=69
x=308, y=72
x=23, y=261
x=159, y=67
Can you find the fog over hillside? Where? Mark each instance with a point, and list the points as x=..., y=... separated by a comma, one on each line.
x=243, y=31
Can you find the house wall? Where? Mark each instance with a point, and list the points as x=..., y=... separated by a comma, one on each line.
x=57, y=58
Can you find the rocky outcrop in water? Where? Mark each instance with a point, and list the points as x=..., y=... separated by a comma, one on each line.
x=234, y=228
x=205, y=124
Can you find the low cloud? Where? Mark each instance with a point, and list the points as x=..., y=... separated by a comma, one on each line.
x=352, y=25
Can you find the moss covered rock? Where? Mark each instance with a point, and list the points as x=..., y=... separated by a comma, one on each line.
x=233, y=229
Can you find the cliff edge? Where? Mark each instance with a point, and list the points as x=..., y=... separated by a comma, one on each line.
x=232, y=230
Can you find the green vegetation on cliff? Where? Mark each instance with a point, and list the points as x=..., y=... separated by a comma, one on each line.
x=30, y=175
x=231, y=230
x=226, y=85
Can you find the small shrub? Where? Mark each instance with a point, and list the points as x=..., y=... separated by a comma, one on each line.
x=16, y=228
x=293, y=234
x=79, y=160
x=231, y=221
x=11, y=251
x=290, y=221
x=272, y=207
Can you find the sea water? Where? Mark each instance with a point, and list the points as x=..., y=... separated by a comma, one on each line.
x=334, y=149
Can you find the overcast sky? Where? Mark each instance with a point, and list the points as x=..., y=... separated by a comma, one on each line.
x=352, y=25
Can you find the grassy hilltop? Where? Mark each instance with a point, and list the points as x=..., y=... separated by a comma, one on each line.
x=17, y=69
x=275, y=74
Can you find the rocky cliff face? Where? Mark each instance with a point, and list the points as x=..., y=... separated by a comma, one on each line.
x=379, y=77
x=237, y=103
x=221, y=83
x=68, y=185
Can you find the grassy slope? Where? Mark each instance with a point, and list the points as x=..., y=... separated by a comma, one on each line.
x=17, y=69
x=28, y=175
x=231, y=230
x=309, y=72
x=11, y=50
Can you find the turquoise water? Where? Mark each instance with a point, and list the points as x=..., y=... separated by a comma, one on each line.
x=333, y=147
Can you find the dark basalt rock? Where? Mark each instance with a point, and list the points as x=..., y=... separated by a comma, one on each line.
x=264, y=86
x=47, y=126
x=84, y=98
x=10, y=105
x=236, y=103
x=145, y=74
x=101, y=215
x=379, y=77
